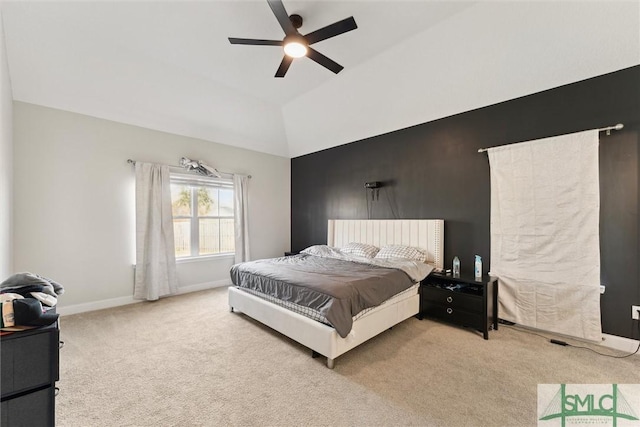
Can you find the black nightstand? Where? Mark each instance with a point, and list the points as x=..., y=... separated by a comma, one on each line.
x=30, y=369
x=461, y=300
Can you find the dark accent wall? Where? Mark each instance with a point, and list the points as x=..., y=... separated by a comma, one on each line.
x=433, y=170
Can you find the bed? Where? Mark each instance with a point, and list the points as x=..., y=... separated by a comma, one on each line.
x=323, y=339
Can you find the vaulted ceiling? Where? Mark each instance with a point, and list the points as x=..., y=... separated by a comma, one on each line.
x=169, y=65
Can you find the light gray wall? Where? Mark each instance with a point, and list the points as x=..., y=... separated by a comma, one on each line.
x=74, y=202
x=6, y=162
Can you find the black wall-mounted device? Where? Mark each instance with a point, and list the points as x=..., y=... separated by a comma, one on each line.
x=373, y=184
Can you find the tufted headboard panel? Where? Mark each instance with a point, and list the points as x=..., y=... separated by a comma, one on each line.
x=423, y=233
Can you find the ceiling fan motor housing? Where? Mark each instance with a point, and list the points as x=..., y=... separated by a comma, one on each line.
x=296, y=20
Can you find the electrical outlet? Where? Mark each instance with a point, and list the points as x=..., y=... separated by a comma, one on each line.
x=635, y=312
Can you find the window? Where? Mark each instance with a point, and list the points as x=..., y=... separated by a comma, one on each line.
x=202, y=216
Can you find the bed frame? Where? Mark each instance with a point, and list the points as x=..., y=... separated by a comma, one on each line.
x=323, y=339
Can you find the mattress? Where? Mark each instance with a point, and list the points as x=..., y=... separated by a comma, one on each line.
x=317, y=316
x=338, y=288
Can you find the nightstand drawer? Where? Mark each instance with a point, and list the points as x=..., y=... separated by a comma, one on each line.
x=29, y=360
x=32, y=409
x=452, y=314
x=458, y=300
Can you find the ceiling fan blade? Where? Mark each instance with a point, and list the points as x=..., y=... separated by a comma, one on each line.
x=284, y=66
x=255, y=42
x=282, y=16
x=332, y=30
x=324, y=61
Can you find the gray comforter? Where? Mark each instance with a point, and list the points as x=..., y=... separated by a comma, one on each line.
x=337, y=288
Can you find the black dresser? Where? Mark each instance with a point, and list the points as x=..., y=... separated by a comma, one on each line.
x=461, y=300
x=30, y=369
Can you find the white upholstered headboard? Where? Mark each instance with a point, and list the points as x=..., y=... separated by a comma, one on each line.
x=422, y=233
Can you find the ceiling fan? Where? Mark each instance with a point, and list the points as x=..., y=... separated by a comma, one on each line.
x=297, y=45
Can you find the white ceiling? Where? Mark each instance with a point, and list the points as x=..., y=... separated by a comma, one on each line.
x=169, y=66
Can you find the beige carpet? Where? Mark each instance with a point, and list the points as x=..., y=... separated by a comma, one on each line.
x=188, y=361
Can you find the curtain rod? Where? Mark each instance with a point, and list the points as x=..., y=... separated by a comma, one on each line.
x=133, y=162
x=608, y=129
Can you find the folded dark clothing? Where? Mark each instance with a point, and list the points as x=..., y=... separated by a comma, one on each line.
x=23, y=279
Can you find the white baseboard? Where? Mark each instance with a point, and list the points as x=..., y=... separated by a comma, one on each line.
x=620, y=343
x=96, y=305
x=203, y=286
x=120, y=301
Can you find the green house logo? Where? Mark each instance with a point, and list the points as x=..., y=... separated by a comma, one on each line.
x=588, y=404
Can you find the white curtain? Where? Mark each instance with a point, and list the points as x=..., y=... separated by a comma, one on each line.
x=155, y=274
x=545, y=243
x=241, y=213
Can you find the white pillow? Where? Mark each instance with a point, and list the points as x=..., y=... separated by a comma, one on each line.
x=319, y=250
x=360, y=249
x=401, y=251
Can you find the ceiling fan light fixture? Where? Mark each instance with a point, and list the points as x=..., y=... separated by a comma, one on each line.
x=295, y=46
